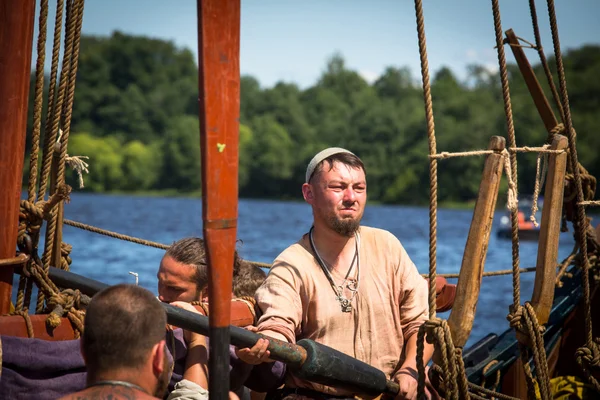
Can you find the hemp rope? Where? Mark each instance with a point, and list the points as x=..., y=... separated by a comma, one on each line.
x=38, y=100
x=524, y=149
x=565, y=264
x=25, y=314
x=512, y=144
x=524, y=320
x=583, y=354
x=589, y=203
x=432, y=161
x=454, y=377
x=515, y=311
x=74, y=18
x=51, y=128
x=24, y=284
x=540, y=176
x=486, y=369
x=544, y=62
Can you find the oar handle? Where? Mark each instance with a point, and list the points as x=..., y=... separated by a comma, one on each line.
x=291, y=354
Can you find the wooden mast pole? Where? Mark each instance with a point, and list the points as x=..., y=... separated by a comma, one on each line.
x=16, y=40
x=219, y=109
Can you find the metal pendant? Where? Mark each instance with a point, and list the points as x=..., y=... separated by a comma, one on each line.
x=352, y=285
x=345, y=303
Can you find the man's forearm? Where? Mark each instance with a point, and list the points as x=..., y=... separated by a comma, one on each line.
x=410, y=352
x=196, y=369
x=274, y=334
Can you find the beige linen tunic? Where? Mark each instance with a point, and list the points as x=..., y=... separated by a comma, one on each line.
x=298, y=302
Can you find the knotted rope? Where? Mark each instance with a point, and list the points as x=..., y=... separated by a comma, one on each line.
x=540, y=176
x=524, y=320
x=60, y=303
x=580, y=224
x=31, y=218
x=454, y=383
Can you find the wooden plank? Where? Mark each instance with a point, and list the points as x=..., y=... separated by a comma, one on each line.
x=462, y=315
x=537, y=93
x=547, y=257
x=219, y=103
x=16, y=40
x=14, y=325
x=240, y=313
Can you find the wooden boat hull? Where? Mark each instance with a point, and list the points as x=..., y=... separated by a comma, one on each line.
x=564, y=334
x=524, y=234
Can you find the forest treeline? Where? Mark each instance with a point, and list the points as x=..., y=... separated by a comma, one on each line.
x=135, y=116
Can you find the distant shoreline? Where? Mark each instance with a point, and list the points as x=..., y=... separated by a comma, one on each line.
x=174, y=193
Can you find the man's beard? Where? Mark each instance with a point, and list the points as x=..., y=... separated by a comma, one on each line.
x=344, y=226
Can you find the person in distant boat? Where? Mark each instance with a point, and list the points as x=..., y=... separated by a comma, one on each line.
x=123, y=345
x=350, y=287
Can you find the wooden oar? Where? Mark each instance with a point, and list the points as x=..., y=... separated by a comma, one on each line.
x=16, y=40
x=547, y=257
x=462, y=315
x=219, y=101
x=309, y=360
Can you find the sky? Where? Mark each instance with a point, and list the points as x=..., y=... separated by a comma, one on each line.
x=291, y=40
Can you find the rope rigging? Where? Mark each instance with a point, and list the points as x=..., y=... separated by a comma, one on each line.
x=450, y=375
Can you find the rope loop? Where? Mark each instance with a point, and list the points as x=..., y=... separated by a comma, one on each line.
x=588, y=357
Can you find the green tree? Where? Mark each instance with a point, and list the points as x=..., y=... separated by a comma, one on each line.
x=181, y=149
x=105, y=162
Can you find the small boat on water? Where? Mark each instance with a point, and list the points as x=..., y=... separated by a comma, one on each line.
x=550, y=344
x=527, y=227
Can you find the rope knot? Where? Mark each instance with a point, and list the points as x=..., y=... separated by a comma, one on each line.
x=64, y=303
x=512, y=202
x=515, y=318
x=32, y=215
x=557, y=130
x=65, y=251
x=591, y=356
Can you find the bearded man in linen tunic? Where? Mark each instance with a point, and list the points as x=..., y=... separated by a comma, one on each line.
x=383, y=302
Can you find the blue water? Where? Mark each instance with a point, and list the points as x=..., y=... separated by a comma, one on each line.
x=265, y=228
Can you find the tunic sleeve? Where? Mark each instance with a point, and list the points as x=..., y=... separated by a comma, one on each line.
x=279, y=300
x=414, y=305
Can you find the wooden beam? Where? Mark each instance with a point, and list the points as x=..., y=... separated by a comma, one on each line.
x=16, y=40
x=219, y=103
x=537, y=93
x=547, y=257
x=462, y=315
x=14, y=325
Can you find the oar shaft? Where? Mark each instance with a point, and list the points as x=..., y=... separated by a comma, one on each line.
x=311, y=360
x=291, y=354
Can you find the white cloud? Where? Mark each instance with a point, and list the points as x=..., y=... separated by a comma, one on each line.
x=471, y=54
x=369, y=76
x=491, y=67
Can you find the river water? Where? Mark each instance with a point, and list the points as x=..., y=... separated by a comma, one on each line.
x=265, y=228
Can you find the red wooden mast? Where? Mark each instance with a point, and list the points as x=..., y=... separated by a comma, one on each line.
x=219, y=109
x=16, y=40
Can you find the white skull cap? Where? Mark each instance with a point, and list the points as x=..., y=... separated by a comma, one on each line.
x=320, y=156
